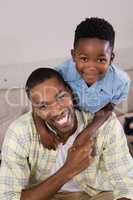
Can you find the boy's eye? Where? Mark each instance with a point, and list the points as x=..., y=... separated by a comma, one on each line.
x=101, y=60
x=84, y=59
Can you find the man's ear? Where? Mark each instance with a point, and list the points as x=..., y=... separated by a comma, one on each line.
x=112, y=57
x=73, y=54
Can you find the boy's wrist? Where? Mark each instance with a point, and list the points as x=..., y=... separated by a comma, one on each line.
x=66, y=173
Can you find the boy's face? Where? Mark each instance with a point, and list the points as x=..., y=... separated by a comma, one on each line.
x=52, y=101
x=92, y=57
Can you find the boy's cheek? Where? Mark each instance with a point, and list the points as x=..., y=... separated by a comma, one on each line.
x=103, y=69
x=79, y=66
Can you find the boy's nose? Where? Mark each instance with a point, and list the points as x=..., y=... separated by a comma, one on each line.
x=90, y=65
x=90, y=69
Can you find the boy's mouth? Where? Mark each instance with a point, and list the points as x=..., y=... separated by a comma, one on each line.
x=91, y=78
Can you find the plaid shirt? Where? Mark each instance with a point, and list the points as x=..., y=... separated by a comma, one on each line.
x=25, y=162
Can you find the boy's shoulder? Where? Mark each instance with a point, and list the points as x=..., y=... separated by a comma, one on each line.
x=117, y=82
x=116, y=75
x=66, y=65
x=119, y=73
x=68, y=71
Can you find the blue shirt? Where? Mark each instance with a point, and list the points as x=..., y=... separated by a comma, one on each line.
x=112, y=88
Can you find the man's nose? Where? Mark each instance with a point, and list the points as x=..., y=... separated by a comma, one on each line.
x=56, y=109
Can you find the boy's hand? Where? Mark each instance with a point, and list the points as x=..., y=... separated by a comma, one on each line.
x=82, y=138
x=48, y=139
x=89, y=132
x=79, y=157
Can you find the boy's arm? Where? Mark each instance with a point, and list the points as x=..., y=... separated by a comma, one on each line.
x=98, y=120
x=121, y=86
x=48, y=139
x=123, y=199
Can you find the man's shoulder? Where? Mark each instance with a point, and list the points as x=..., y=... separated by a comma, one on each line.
x=19, y=133
x=22, y=122
x=112, y=119
x=87, y=117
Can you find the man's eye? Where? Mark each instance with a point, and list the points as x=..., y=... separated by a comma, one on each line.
x=101, y=60
x=62, y=95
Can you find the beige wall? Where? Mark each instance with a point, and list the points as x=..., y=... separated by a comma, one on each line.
x=35, y=32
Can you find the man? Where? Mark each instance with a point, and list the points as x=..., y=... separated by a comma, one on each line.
x=31, y=171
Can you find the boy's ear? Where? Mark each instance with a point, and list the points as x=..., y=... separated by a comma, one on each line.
x=112, y=57
x=73, y=54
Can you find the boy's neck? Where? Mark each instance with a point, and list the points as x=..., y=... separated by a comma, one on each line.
x=88, y=84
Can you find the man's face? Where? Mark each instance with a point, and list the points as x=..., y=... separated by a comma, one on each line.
x=52, y=101
x=92, y=58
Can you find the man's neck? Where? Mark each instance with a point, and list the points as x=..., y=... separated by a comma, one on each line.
x=63, y=137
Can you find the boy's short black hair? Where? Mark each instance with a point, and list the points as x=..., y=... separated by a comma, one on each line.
x=40, y=75
x=95, y=28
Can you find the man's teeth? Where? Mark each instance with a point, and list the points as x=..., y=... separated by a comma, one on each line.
x=62, y=120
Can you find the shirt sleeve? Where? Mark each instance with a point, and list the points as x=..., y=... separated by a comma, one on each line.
x=63, y=67
x=118, y=161
x=121, y=88
x=15, y=170
x=68, y=71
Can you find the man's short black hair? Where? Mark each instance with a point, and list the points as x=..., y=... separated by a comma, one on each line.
x=40, y=75
x=95, y=28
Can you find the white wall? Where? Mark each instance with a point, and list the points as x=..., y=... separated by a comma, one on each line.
x=34, y=32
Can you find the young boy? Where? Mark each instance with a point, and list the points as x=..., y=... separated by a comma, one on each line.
x=98, y=84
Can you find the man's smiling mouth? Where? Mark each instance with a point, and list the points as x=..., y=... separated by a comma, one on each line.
x=63, y=119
